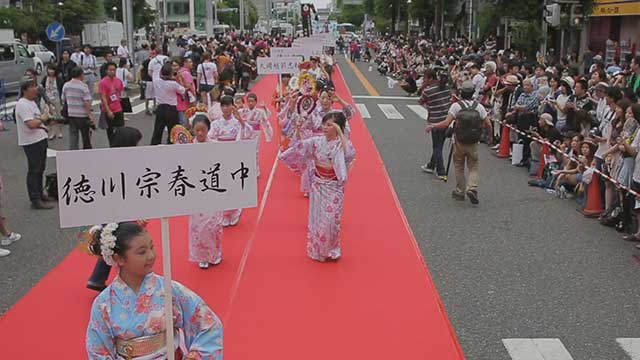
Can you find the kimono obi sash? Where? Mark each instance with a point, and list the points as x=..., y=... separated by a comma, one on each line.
x=141, y=346
x=226, y=139
x=325, y=173
x=255, y=126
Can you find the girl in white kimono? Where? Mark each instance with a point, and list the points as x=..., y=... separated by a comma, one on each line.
x=230, y=127
x=327, y=156
x=127, y=318
x=257, y=118
x=205, y=229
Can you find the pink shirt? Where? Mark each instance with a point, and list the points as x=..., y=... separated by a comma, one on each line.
x=112, y=89
x=183, y=101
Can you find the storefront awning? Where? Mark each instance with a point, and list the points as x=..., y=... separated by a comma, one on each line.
x=616, y=8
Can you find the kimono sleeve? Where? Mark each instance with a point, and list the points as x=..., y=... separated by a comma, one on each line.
x=340, y=165
x=202, y=328
x=100, y=344
x=349, y=111
x=297, y=156
x=266, y=126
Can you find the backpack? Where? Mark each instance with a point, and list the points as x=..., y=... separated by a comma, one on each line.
x=144, y=71
x=468, y=124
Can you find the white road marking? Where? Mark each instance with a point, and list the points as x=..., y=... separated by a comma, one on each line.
x=631, y=346
x=390, y=111
x=536, y=349
x=362, y=108
x=138, y=108
x=419, y=110
x=406, y=98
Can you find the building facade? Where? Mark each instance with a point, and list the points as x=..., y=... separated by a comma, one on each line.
x=615, y=24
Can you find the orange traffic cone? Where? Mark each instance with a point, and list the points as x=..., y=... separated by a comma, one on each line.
x=594, y=201
x=503, y=151
x=545, y=151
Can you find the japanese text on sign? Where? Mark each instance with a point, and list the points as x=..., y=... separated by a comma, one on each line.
x=281, y=65
x=120, y=184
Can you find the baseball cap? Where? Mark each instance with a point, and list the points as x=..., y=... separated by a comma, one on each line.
x=548, y=119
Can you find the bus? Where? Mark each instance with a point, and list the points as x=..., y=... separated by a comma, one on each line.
x=346, y=27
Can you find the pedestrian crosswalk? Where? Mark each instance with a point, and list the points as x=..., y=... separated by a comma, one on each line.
x=391, y=111
x=554, y=349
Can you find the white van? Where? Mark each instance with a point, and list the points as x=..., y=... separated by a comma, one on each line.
x=15, y=59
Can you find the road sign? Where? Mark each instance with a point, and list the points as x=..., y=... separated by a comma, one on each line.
x=55, y=31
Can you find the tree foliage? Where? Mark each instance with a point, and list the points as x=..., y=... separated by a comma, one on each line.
x=143, y=15
x=35, y=15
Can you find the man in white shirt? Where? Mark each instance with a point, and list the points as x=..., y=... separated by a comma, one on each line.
x=32, y=136
x=75, y=57
x=89, y=64
x=123, y=51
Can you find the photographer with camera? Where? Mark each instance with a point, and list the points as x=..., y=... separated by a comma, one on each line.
x=470, y=117
x=77, y=99
x=32, y=136
x=167, y=88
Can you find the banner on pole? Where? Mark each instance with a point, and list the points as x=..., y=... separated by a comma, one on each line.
x=307, y=52
x=124, y=184
x=278, y=65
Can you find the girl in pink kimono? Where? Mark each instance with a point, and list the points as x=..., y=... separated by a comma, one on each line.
x=327, y=156
x=230, y=127
x=205, y=229
x=311, y=125
x=258, y=119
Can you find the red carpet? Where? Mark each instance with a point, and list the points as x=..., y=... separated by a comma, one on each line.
x=377, y=302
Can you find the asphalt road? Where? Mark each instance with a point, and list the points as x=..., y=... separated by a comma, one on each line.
x=522, y=264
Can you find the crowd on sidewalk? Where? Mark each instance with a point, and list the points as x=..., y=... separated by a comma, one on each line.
x=587, y=112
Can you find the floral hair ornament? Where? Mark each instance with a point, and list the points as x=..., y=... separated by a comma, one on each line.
x=108, y=243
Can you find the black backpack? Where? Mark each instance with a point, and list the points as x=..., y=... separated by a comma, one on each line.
x=468, y=124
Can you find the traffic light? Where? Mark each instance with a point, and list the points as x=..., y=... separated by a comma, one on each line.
x=552, y=15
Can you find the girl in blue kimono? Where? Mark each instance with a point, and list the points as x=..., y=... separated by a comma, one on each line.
x=127, y=318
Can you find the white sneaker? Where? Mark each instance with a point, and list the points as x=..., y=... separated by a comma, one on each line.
x=4, y=252
x=8, y=240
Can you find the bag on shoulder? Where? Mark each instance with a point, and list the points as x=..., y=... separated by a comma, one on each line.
x=468, y=124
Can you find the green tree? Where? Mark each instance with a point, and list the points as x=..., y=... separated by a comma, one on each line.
x=353, y=14
x=143, y=15
x=424, y=12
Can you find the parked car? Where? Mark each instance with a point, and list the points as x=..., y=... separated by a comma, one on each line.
x=42, y=53
x=38, y=64
x=15, y=59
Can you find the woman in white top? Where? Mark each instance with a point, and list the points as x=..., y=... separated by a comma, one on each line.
x=566, y=90
x=207, y=77
x=123, y=73
x=167, y=89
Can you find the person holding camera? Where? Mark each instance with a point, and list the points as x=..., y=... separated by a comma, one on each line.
x=32, y=136
x=167, y=88
x=77, y=97
x=470, y=117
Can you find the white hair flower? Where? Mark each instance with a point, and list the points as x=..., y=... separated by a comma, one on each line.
x=108, y=243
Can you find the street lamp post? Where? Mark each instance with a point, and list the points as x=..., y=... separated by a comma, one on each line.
x=115, y=10
x=58, y=49
x=408, y=18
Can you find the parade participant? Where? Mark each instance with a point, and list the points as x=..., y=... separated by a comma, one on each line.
x=278, y=100
x=205, y=230
x=258, y=119
x=127, y=319
x=470, y=117
x=124, y=136
x=167, y=88
x=327, y=154
x=230, y=127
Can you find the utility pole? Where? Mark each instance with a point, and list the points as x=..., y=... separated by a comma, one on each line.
x=241, y=11
x=470, y=20
x=127, y=21
x=208, y=4
x=545, y=31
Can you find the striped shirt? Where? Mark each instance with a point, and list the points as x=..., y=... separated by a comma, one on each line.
x=75, y=93
x=437, y=102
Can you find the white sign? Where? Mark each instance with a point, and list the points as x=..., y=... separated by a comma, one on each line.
x=280, y=65
x=124, y=184
x=306, y=52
